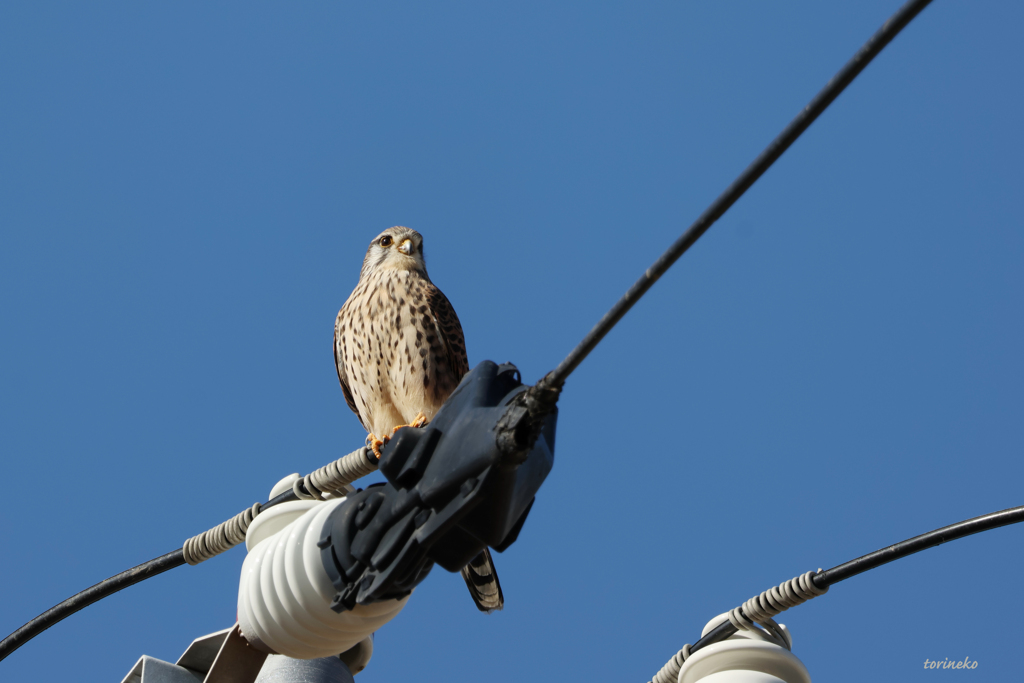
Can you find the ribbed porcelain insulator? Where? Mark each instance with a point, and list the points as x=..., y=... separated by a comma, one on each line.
x=284, y=592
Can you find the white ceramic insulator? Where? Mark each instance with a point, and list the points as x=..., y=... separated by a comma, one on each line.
x=742, y=658
x=284, y=592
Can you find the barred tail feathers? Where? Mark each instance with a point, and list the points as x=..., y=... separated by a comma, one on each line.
x=482, y=580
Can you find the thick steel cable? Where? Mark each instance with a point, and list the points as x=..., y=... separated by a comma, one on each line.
x=863, y=57
x=993, y=520
x=90, y=595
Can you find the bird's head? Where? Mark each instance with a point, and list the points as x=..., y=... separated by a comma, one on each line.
x=399, y=248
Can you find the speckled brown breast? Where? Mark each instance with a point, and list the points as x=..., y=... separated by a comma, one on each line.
x=398, y=348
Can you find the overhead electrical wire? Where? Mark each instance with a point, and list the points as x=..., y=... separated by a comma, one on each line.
x=889, y=30
x=335, y=476
x=823, y=579
x=890, y=553
x=556, y=378
x=87, y=597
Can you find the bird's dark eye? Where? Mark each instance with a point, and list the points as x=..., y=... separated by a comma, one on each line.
x=386, y=241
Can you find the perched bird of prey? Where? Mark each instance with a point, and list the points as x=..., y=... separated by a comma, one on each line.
x=400, y=353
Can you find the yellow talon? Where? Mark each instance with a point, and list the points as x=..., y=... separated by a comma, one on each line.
x=419, y=421
x=376, y=443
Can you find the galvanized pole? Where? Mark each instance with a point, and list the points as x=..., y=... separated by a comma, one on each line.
x=281, y=669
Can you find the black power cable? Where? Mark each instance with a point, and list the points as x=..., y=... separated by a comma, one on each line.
x=824, y=579
x=106, y=588
x=82, y=600
x=870, y=49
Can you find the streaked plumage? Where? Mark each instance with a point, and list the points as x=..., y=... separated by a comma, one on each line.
x=400, y=352
x=482, y=580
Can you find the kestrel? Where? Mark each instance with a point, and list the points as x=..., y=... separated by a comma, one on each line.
x=400, y=353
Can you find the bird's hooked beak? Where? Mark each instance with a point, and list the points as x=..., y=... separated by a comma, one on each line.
x=405, y=247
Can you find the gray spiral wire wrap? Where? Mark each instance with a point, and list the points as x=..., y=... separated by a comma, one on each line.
x=761, y=608
x=757, y=610
x=333, y=478
x=220, y=538
x=336, y=476
x=670, y=672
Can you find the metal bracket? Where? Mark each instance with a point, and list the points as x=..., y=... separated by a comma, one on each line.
x=221, y=657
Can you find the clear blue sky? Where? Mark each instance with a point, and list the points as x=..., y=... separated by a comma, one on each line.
x=186, y=193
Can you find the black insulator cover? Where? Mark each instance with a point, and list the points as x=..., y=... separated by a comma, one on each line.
x=450, y=492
